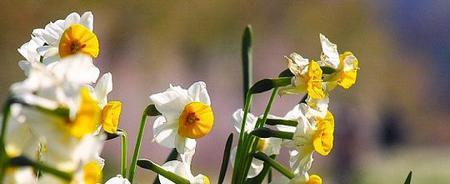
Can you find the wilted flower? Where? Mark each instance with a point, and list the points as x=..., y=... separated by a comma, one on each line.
x=187, y=115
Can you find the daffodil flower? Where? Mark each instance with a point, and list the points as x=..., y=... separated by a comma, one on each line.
x=186, y=116
x=183, y=168
x=314, y=133
x=307, y=77
x=269, y=146
x=118, y=180
x=346, y=65
x=67, y=37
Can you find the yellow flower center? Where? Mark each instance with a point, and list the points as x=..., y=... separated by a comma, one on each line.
x=313, y=79
x=92, y=173
x=87, y=117
x=323, y=137
x=314, y=179
x=347, y=76
x=78, y=39
x=262, y=144
x=196, y=120
x=206, y=180
x=110, y=116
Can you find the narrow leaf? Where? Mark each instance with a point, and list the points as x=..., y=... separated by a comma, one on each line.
x=247, y=63
x=268, y=84
x=225, y=159
x=408, y=179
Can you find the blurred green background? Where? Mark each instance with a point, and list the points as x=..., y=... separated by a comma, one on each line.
x=395, y=119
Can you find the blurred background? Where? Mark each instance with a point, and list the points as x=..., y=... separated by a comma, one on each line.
x=395, y=119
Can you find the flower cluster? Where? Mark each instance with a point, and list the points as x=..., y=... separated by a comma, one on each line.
x=55, y=122
x=307, y=129
x=59, y=115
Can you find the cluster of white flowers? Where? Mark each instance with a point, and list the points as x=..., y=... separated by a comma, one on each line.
x=58, y=111
x=309, y=126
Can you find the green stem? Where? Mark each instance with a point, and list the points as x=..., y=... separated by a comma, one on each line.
x=123, y=162
x=240, y=149
x=250, y=149
x=276, y=165
x=24, y=161
x=147, y=164
x=137, y=147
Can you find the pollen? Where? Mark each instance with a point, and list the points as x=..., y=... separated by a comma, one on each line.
x=78, y=39
x=196, y=120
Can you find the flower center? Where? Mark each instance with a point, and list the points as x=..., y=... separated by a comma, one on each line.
x=196, y=120
x=78, y=39
x=262, y=144
x=92, y=173
x=324, y=136
x=314, y=179
x=87, y=117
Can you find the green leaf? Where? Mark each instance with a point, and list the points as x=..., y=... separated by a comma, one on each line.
x=276, y=165
x=327, y=70
x=173, y=155
x=21, y=161
x=267, y=132
x=260, y=177
x=247, y=63
x=152, y=111
x=148, y=164
x=225, y=159
x=268, y=84
x=286, y=73
x=408, y=179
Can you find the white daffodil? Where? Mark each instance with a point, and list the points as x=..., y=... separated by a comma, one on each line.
x=118, y=180
x=269, y=146
x=307, y=77
x=183, y=168
x=67, y=37
x=311, y=134
x=186, y=116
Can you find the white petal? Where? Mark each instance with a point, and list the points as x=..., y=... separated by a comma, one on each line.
x=238, y=115
x=171, y=102
x=118, y=180
x=164, y=132
x=198, y=93
x=255, y=168
x=103, y=88
x=184, y=144
x=73, y=18
x=174, y=166
x=77, y=68
x=330, y=51
x=87, y=19
x=273, y=146
x=199, y=179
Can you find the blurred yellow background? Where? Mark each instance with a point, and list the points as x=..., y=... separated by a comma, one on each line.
x=395, y=119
